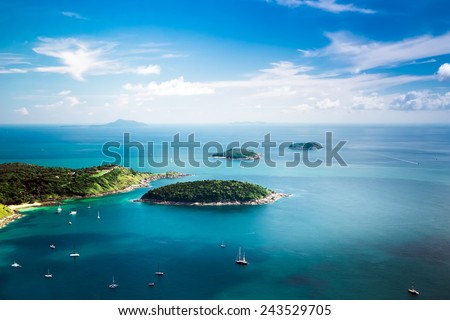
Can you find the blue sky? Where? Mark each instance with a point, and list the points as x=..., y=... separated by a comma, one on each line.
x=297, y=61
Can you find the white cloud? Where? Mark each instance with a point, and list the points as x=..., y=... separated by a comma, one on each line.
x=12, y=70
x=443, y=73
x=359, y=54
x=327, y=103
x=285, y=69
x=368, y=102
x=283, y=91
x=23, y=111
x=73, y=15
x=326, y=5
x=65, y=101
x=147, y=70
x=64, y=92
x=174, y=87
x=172, y=55
x=77, y=57
x=422, y=101
x=332, y=6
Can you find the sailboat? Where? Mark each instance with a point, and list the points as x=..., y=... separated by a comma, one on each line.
x=222, y=245
x=413, y=291
x=73, y=212
x=113, y=285
x=74, y=254
x=98, y=215
x=16, y=265
x=59, y=209
x=241, y=259
x=48, y=274
x=52, y=246
x=89, y=206
x=159, y=273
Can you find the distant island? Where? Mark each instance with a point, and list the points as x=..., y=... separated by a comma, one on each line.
x=237, y=154
x=305, y=146
x=121, y=123
x=211, y=193
x=23, y=185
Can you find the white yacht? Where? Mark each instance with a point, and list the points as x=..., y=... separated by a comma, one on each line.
x=48, y=274
x=241, y=259
x=113, y=285
x=158, y=272
x=74, y=254
x=16, y=265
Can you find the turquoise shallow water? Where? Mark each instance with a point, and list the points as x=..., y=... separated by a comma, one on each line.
x=366, y=231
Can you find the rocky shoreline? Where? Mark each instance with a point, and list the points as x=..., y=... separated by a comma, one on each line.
x=266, y=200
x=11, y=218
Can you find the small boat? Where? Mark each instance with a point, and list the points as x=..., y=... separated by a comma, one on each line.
x=89, y=206
x=70, y=222
x=16, y=265
x=113, y=285
x=158, y=272
x=98, y=215
x=48, y=274
x=413, y=291
x=241, y=259
x=151, y=284
x=222, y=245
x=52, y=246
x=73, y=212
x=59, y=209
x=74, y=254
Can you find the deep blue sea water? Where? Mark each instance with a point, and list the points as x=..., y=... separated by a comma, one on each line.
x=365, y=231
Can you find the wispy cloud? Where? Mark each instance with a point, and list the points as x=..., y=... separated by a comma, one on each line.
x=12, y=70
x=174, y=87
x=77, y=57
x=359, y=54
x=23, y=111
x=12, y=63
x=73, y=15
x=148, y=70
x=285, y=69
x=64, y=98
x=325, y=5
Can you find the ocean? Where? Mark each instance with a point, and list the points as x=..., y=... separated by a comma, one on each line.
x=368, y=229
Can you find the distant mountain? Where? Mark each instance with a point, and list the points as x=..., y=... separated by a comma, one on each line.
x=121, y=123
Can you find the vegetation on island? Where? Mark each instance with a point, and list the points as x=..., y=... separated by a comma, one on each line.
x=237, y=153
x=5, y=211
x=25, y=183
x=207, y=191
x=305, y=146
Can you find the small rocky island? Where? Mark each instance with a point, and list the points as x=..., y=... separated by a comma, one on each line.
x=237, y=154
x=211, y=193
x=305, y=146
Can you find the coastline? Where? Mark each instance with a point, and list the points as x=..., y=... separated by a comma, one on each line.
x=11, y=218
x=144, y=183
x=266, y=200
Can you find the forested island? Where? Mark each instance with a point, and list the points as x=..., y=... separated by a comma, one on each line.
x=237, y=154
x=212, y=193
x=305, y=146
x=25, y=184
